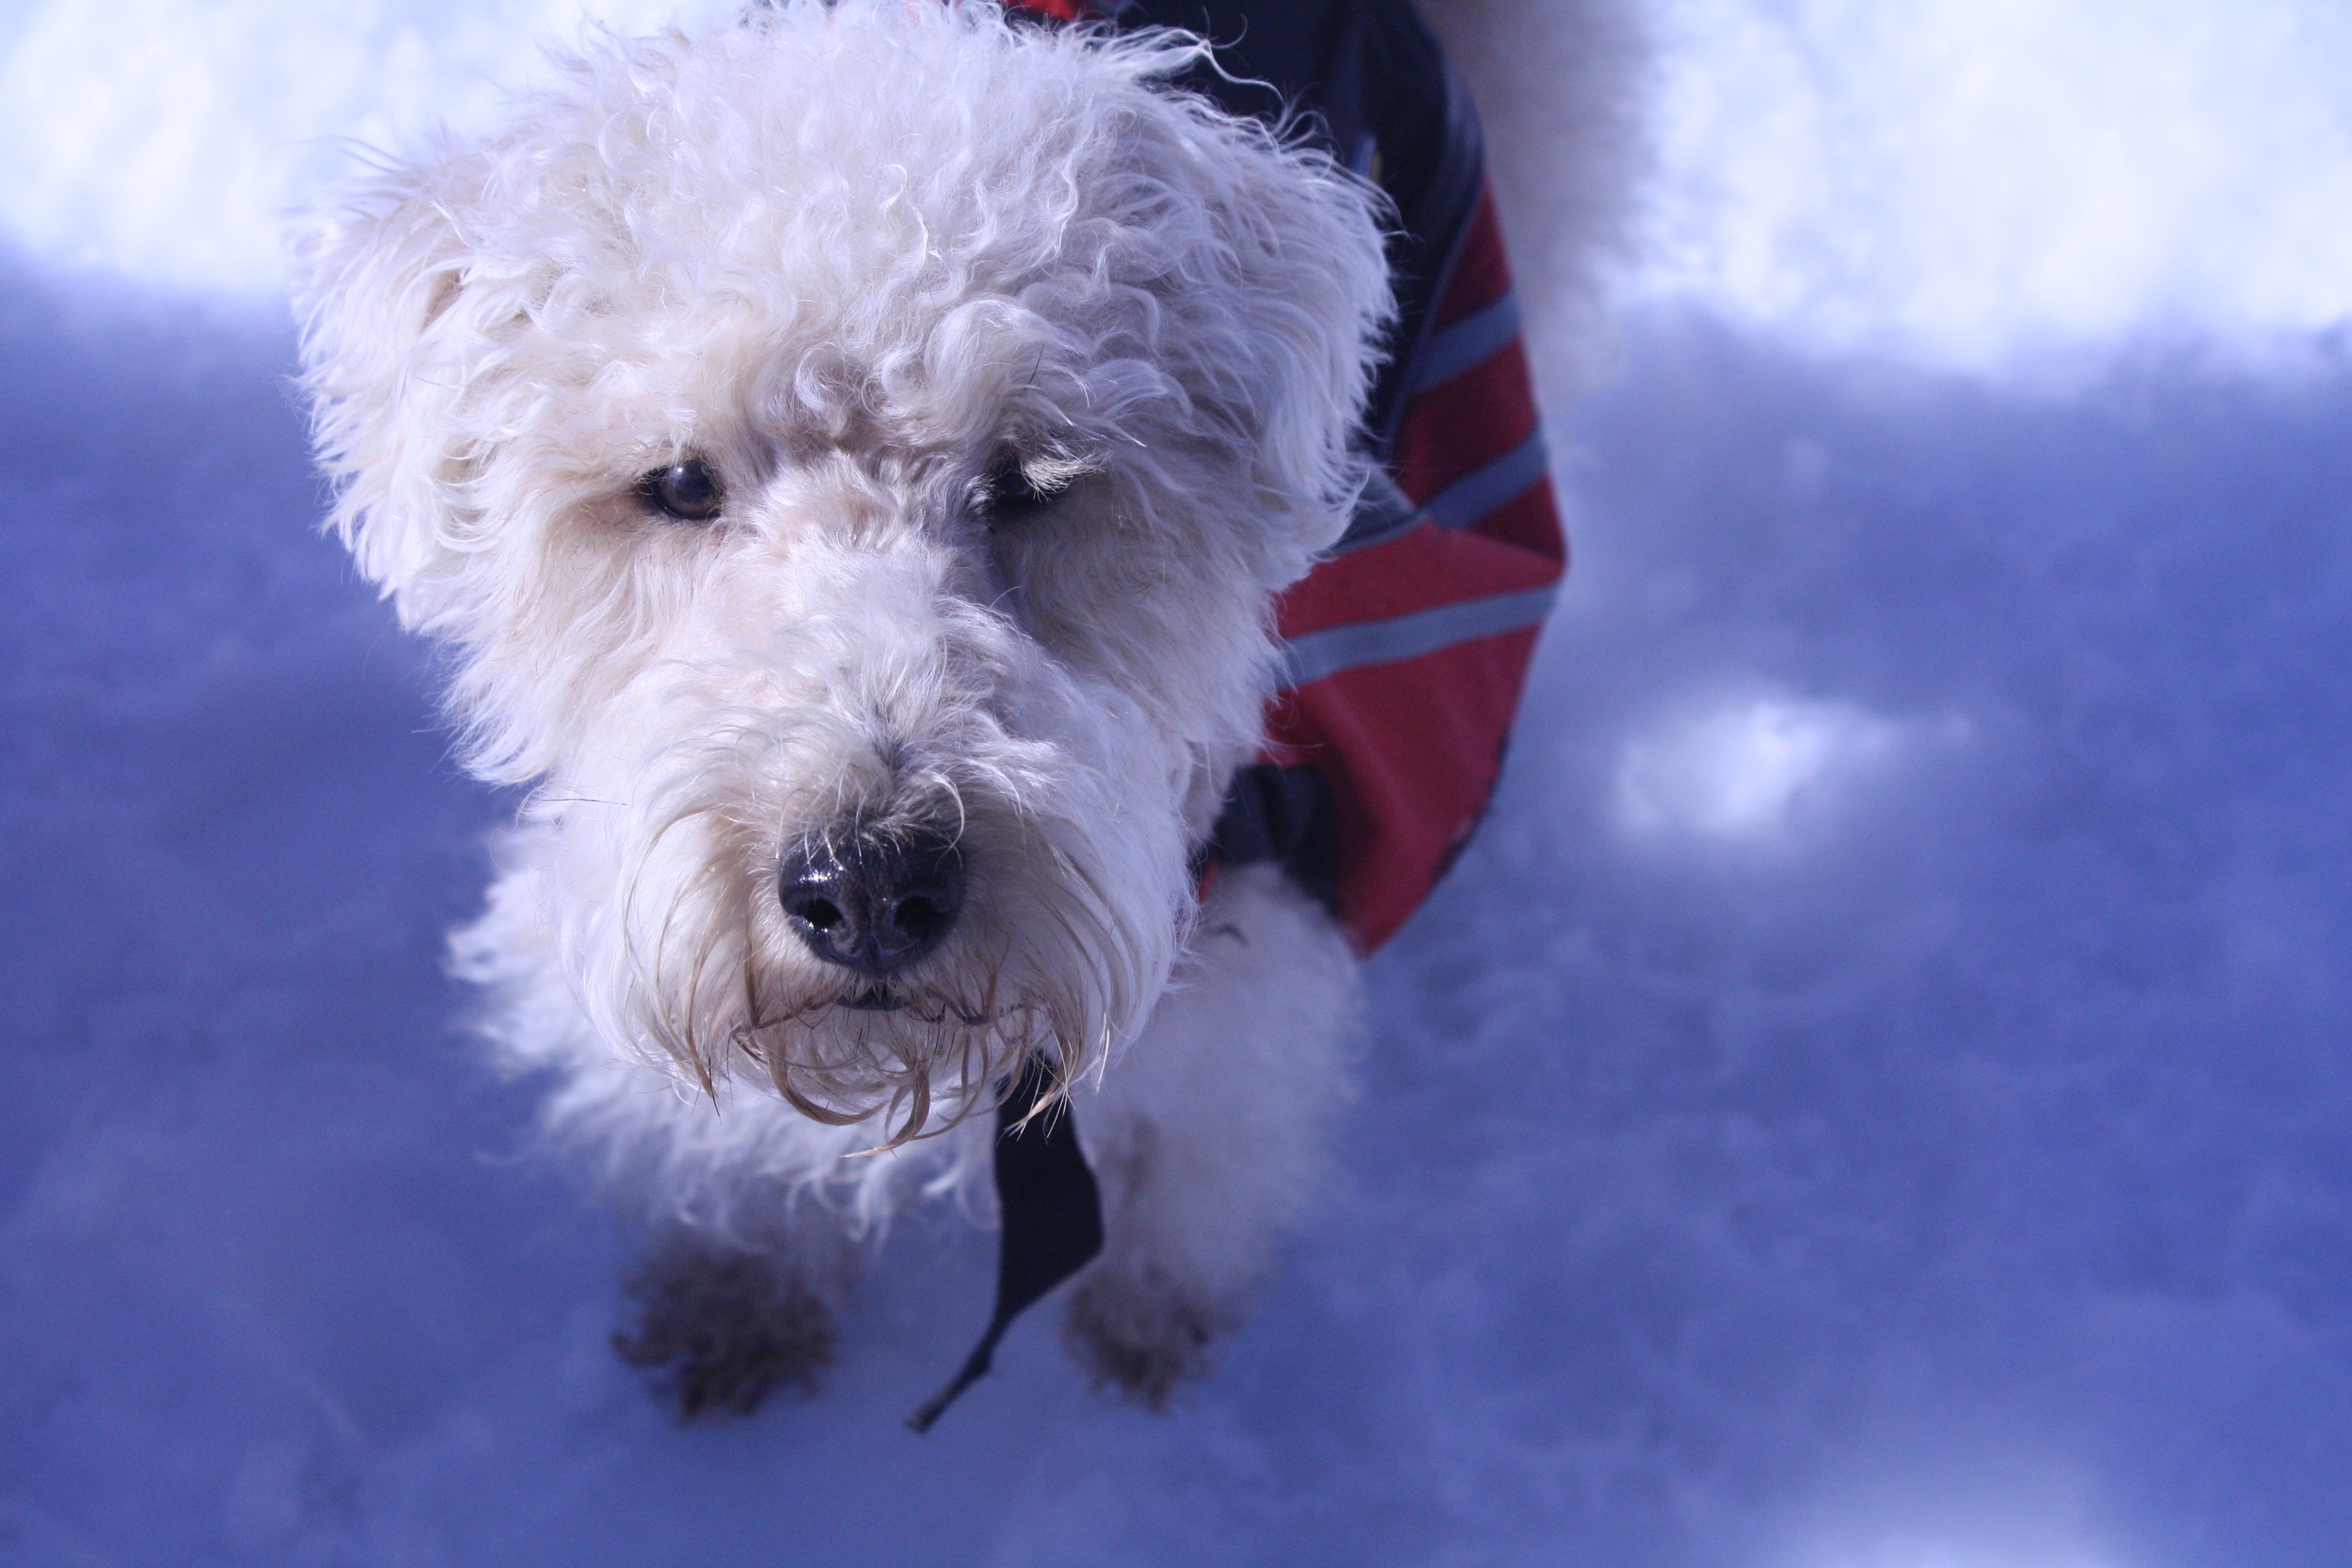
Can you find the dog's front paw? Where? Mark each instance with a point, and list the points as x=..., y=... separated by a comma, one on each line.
x=721, y=1329
x=1143, y=1336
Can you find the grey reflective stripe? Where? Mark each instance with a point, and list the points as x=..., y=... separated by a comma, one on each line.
x=1480, y=491
x=1327, y=652
x=1469, y=341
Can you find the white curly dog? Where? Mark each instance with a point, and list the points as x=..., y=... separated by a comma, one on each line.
x=848, y=457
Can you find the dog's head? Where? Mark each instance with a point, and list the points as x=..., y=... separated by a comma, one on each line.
x=850, y=457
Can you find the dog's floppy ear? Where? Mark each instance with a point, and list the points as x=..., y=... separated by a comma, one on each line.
x=1303, y=293
x=389, y=343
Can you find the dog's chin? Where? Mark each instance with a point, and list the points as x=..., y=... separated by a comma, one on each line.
x=913, y=1058
x=734, y=993
x=856, y=1006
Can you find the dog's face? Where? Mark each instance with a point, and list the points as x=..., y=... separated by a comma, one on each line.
x=851, y=456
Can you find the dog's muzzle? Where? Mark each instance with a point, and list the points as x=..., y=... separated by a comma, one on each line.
x=872, y=902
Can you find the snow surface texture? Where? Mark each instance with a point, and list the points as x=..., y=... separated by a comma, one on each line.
x=1873, y=1098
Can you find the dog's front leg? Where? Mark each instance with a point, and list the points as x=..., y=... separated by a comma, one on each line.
x=724, y=1326
x=723, y=1322
x=1208, y=1135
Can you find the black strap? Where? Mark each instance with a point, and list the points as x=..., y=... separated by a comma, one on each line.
x=1282, y=812
x=1052, y=1215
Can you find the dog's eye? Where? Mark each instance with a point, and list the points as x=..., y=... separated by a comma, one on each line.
x=687, y=490
x=1009, y=491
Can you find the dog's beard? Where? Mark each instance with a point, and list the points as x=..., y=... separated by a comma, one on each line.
x=1049, y=969
x=926, y=1052
x=1075, y=914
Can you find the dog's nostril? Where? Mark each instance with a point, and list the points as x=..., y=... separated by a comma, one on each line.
x=824, y=913
x=919, y=916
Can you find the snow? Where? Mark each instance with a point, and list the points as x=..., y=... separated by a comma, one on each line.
x=2003, y=184
x=177, y=134
x=1874, y=1097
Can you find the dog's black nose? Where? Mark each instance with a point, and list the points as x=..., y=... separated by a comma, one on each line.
x=873, y=902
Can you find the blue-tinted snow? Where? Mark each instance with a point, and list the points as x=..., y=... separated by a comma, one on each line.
x=1873, y=1098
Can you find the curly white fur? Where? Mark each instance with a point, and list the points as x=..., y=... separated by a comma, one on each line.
x=856, y=259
